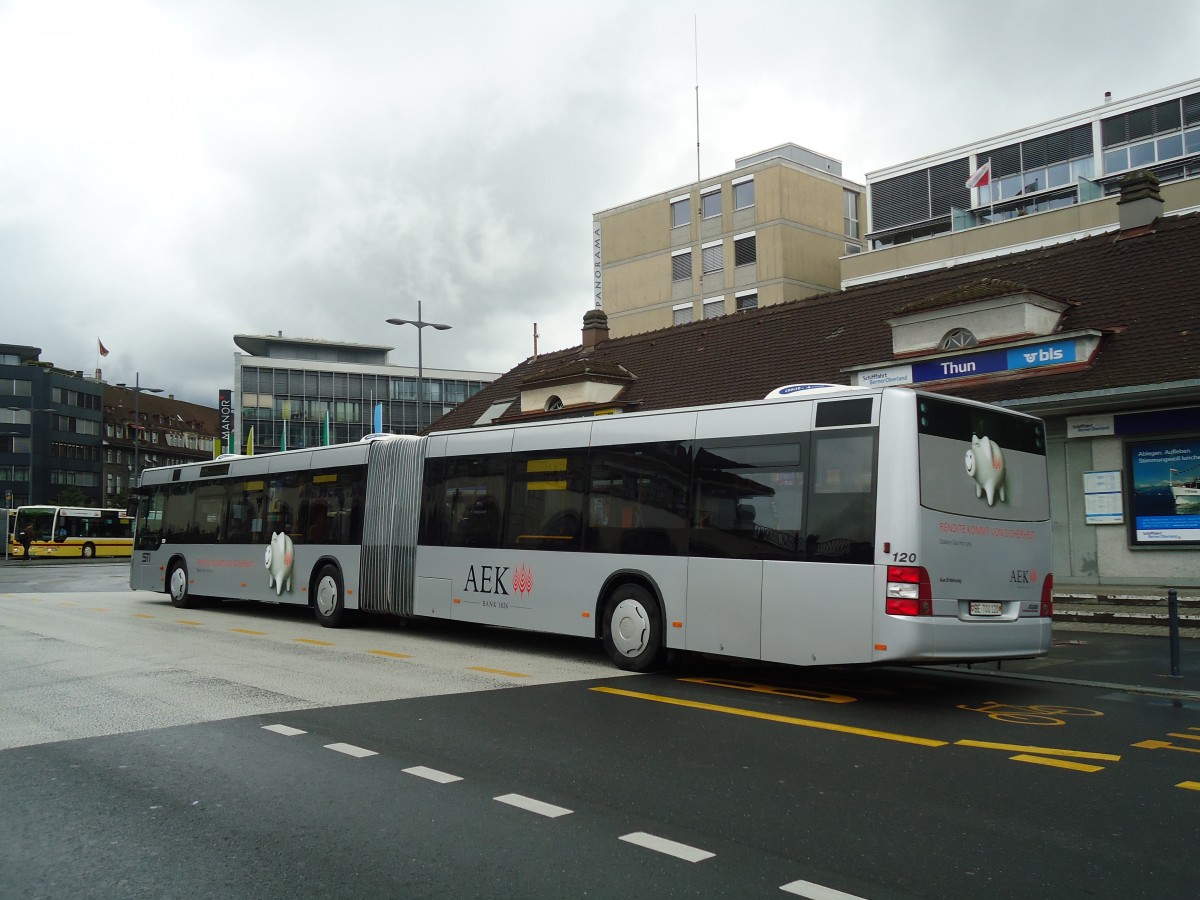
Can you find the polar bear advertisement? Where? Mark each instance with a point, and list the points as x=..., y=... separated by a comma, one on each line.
x=985, y=466
x=279, y=558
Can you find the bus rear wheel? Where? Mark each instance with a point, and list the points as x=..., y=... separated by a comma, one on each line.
x=633, y=631
x=329, y=603
x=88, y=551
x=177, y=586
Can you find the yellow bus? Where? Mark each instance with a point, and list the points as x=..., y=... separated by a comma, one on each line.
x=72, y=532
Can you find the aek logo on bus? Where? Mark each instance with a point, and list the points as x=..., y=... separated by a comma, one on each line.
x=491, y=580
x=1023, y=576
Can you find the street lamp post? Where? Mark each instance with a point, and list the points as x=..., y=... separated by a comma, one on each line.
x=138, y=389
x=420, y=324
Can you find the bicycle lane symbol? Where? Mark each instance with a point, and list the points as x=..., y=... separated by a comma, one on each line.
x=1030, y=715
x=1040, y=715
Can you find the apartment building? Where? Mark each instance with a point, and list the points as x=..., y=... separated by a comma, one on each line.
x=1039, y=185
x=772, y=229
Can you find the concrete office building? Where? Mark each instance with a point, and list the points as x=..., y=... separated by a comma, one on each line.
x=306, y=383
x=1046, y=183
x=50, y=424
x=772, y=229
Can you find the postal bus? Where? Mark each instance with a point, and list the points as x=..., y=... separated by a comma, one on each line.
x=73, y=532
x=820, y=525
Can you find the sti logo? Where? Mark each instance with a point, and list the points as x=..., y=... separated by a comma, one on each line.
x=1043, y=355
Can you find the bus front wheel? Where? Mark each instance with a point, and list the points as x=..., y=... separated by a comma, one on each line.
x=329, y=597
x=177, y=585
x=633, y=632
x=88, y=551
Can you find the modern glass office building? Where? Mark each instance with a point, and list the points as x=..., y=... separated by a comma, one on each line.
x=300, y=392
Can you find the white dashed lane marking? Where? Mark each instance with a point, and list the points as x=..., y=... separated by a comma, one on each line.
x=671, y=848
x=549, y=810
x=815, y=891
x=351, y=750
x=663, y=845
x=432, y=774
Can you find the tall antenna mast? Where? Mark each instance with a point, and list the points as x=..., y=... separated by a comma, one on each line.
x=696, y=45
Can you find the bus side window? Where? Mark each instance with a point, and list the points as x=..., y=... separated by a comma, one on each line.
x=545, y=505
x=841, y=511
x=639, y=498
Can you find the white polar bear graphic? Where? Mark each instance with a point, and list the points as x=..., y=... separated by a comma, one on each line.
x=279, y=558
x=985, y=465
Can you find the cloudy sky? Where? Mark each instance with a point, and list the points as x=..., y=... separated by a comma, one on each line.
x=174, y=172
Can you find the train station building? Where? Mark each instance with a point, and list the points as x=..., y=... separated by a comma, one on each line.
x=1099, y=335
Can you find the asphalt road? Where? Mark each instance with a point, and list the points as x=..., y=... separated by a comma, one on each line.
x=493, y=764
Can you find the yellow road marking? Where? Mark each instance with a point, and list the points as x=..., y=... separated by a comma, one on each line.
x=1048, y=751
x=1164, y=745
x=796, y=693
x=1186, y=737
x=497, y=672
x=64, y=603
x=143, y=616
x=772, y=717
x=187, y=622
x=391, y=654
x=1189, y=785
x=1057, y=763
x=311, y=641
x=246, y=631
x=97, y=609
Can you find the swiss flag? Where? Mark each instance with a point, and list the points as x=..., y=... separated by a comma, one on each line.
x=981, y=176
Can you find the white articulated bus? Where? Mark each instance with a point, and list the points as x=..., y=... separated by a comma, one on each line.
x=831, y=525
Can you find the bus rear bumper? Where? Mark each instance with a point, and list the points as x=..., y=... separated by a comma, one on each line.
x=949, y=639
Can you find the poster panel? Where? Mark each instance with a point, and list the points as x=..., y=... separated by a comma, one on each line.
x=1164, y=491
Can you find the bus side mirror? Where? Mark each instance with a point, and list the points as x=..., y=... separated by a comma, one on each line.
x=131, y=507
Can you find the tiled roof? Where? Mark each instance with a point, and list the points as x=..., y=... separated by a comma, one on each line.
x=1143, y=292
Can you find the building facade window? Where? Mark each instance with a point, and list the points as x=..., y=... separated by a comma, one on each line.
x=743, y=193
x=712, y=257
x=746, y=300
x=710, y=204
x=681, y=266
x=714, y=308
x=745, y=250
x=850, y=213
x=681, y=314
x=681, y=212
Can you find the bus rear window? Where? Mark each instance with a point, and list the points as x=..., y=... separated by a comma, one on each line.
x=982, y=462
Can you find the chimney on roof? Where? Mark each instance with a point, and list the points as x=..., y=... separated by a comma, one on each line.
x=1108, y=96
x=595, y=329
x=1140, y=203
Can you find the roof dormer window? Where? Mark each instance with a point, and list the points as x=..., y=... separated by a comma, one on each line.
x=958, y=339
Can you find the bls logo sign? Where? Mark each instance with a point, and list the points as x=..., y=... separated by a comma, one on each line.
x=1023, y=576
x=1043, y=355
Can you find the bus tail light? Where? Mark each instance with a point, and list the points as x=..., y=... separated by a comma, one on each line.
x=909, y=592
x=1047, y=609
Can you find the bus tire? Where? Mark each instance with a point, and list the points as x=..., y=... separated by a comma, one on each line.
x=633, y=631
x=329, y=597
x=88, y=551
x=177, y=586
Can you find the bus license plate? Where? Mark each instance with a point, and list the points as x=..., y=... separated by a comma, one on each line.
x=986, y=609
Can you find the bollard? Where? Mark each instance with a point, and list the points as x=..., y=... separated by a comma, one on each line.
x=1173, y=616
